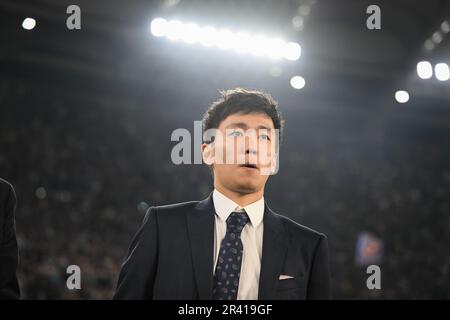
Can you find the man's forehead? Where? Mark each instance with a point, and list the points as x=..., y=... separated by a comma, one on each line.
x=251, y=120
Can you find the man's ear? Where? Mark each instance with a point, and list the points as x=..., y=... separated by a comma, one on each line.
x=208, y=153
x=273, y=169
x=274, y=164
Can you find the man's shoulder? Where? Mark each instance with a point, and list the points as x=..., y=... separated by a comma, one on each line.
x=172, y=211
x=296, y=229
x=175, y=207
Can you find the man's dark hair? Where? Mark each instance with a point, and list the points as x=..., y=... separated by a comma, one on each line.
x=244, y=101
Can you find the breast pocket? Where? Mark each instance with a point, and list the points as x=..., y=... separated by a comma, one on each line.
x=290, y=284
x=291, y=289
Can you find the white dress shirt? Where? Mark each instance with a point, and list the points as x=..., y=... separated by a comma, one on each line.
x=251, y=236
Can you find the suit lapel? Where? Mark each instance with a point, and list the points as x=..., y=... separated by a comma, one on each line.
x=273, y=254
x=200, y=223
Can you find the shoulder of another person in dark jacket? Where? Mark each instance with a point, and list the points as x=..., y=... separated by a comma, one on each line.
x=6, y=191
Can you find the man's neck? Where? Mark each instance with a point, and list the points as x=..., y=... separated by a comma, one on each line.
x=242, y=199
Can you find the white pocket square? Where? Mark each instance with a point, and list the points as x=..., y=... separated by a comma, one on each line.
x=284, y=277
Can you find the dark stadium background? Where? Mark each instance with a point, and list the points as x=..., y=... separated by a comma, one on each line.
x=86, y=118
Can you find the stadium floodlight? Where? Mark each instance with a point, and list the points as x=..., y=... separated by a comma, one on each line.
x=402, y=96
x=28, y=23
x=241, y=42
x=442, y=71
x=297, y=82
x=424, y=70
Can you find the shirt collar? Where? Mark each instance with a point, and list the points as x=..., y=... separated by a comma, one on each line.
x=224, y=206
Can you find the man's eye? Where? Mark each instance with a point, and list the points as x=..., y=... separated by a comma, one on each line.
x=236, y=134
x=264, y=137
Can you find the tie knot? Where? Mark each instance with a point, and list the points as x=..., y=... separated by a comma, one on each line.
x=236, y=221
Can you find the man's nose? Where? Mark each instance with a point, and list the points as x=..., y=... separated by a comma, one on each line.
x=251, y=144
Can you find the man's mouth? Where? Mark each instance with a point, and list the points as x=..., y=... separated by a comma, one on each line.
x=249, y=165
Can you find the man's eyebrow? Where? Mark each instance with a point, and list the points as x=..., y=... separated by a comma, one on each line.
x=244, y=126
x=238, y=125
x=264, y=127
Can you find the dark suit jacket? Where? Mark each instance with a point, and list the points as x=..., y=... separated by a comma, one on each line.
x=9, y=256
x=171, y=256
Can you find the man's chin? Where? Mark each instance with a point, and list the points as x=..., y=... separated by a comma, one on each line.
x=247, y=187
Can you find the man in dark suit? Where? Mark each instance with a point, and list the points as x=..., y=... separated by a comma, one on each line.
x=9, y=256
x=230, y=245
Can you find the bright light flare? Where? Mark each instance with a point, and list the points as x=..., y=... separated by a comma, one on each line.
x=424, y=70
x=402, y=96
x=298, y=82
x=442, y=71
x=28, y=23
x=241, y=42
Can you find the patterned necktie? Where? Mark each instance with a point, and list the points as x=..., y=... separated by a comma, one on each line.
x=228, y=267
